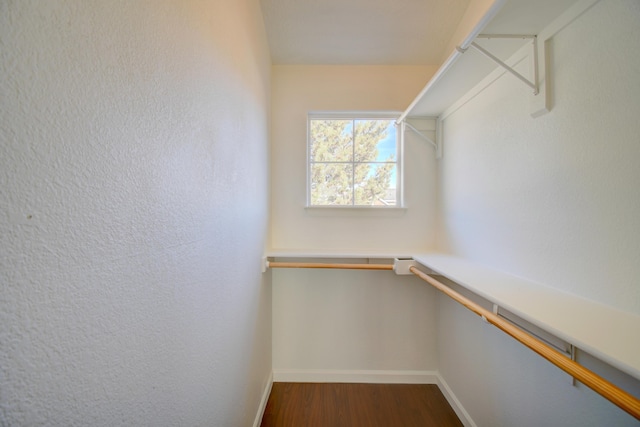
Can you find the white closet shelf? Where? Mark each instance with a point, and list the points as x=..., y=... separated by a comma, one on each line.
x=335, y=254
x=605, y=332
x=463, y=71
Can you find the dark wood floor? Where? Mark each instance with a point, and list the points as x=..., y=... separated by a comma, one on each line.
x=341, y=405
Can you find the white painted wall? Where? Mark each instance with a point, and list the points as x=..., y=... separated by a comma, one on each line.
x=554, y=199
x=331, y=320
x=133, y=191
x=344, y=320
x=296, y=90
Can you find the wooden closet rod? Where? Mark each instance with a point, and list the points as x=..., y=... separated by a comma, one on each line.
x=598, y=384
x=272, y=264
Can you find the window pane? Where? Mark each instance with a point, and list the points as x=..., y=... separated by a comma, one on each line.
x=331, y=184
x=375, y=184
x=331, y=140
x=375, y=140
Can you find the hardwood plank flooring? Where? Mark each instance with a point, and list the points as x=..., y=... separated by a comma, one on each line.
x=342, y=405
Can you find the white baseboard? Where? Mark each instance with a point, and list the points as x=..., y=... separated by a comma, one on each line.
x=455, y=403
x=349, y=376
x=263, y=402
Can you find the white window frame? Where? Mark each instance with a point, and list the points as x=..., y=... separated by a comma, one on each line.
x=355, y=115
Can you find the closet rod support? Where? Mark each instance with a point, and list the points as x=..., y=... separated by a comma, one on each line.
x=532, y=85
x=421, y=135
x=574, y=356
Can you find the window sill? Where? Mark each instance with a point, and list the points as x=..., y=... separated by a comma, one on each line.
x=384, y=211
x=365, y=208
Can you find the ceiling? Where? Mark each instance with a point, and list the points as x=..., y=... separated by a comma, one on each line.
x=393, y=32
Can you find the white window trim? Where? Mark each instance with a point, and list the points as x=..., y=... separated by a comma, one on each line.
x=392, y=115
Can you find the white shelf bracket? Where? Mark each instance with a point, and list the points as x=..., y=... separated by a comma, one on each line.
x=419, y=133
x=435, y=144
x=532, y=84
x=574, y=356
x=439, y=138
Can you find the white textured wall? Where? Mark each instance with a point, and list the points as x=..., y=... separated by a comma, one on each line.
x=299, y=89
x=133, y=212
x=554, y=199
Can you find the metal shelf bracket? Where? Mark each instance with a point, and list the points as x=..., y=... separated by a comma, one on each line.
x=420, y=134
x=532, y=84
x=437, y=144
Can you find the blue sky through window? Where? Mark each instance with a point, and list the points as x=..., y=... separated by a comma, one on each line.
x=387, y=146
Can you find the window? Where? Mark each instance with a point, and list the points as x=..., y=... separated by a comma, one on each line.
x=353, y=160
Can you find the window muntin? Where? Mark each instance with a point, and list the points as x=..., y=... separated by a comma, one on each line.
x=353, y=160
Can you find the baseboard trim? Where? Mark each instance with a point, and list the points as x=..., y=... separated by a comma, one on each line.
x=263, y=402
x=353, y=376
x=454, y=402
